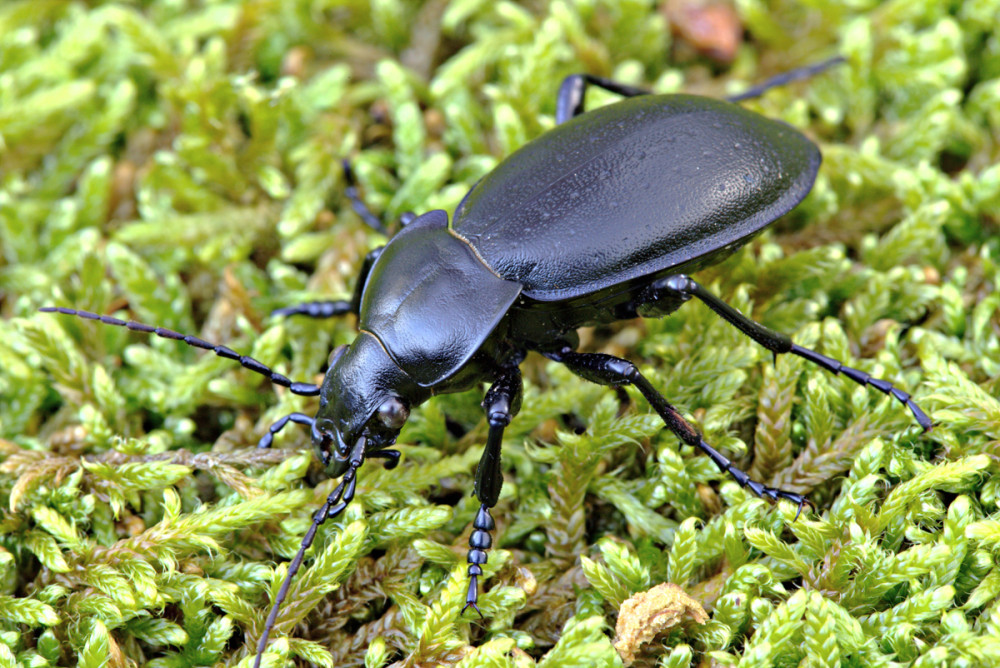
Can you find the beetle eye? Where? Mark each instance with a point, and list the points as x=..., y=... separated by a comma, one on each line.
x=336, y=354
x=393, y=413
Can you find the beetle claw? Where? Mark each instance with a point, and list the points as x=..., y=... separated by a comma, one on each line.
x=474, y=606
x=473, y=596
x=803, y=502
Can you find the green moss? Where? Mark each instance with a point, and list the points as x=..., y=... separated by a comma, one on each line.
x=179, y=162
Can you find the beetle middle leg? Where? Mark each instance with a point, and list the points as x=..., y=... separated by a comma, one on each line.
x=330, y=309
x=606, y=369
x=502, y=402
x=681, y=288
x=360, y=208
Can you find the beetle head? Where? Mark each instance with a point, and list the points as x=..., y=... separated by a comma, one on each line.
x=364, y=395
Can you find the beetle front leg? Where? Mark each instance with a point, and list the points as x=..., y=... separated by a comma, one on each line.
x=502, y=402
x=330, y=309
x=681, y=287
x=297, y=418
x=613, y=371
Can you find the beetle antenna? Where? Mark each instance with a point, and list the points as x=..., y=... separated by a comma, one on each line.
x=304, y=389
x=335, y=504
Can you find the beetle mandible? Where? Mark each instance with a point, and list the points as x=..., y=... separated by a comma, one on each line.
x=600, y=219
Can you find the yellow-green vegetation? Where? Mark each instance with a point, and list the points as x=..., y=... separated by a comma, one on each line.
x=178, y=162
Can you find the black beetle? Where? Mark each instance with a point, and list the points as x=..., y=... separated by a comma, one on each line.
x=598, y=220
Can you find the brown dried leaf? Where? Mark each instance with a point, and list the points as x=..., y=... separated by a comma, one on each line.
x=648, y=613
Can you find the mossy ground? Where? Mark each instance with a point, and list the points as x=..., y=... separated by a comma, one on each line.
x=178, y=161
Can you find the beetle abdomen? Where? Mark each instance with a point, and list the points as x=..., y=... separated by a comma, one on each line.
x=633, y=189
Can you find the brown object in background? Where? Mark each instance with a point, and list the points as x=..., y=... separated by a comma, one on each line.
x=713, y=29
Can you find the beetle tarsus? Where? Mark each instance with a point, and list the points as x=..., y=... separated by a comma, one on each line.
x=472, y=597
x=759, y=489
x=802, y=504
x=501, y=404
x=862, y=378
x=480, y=540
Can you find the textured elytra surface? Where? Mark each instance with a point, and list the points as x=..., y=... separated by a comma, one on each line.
x=632, y=189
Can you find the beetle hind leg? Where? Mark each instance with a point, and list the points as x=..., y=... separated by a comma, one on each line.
x=613, y=371
x=682, y=287
x=573, y=91
x=784, y=78
x=501, y=404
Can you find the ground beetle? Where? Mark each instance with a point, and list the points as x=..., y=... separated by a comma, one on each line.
x=598, y=220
